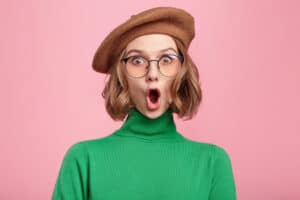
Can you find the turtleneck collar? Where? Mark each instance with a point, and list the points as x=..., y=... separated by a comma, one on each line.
x=140, y=126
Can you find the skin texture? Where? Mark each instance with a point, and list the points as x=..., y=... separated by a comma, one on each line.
x=151, y=45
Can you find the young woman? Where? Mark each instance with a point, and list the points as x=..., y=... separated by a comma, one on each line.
x=151, y=77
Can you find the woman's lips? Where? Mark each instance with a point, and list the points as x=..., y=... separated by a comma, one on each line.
x=150, y=104
x=150, y=89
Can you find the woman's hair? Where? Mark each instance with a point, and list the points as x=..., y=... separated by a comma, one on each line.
x=186, y=92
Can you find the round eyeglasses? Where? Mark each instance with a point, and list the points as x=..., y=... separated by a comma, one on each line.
x=137, y=66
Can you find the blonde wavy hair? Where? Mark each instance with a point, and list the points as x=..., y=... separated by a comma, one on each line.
x=185, y=89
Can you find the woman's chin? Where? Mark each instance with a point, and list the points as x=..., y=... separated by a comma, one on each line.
x=153, y=113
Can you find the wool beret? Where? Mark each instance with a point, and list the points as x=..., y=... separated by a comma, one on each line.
x=172, y=21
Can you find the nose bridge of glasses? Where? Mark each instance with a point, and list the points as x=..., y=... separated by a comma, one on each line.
x=149, y=62
x=155, y=67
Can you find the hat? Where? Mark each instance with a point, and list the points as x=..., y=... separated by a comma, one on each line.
x=160, y=20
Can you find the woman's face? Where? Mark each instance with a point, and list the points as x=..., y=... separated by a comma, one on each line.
x=151, y=46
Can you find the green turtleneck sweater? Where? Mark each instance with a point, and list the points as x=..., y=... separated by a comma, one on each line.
x=145, y=159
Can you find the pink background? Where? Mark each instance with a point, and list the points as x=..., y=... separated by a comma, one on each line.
x=247, y=53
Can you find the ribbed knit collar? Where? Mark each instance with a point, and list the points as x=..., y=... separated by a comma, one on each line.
x=140, y=126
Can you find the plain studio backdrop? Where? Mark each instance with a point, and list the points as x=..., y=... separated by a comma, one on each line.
x=247, y=53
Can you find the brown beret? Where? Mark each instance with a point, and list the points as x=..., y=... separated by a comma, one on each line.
x=164, y=20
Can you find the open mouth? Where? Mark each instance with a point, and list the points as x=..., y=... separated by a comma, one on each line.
x=153, y=94
x=153, y=99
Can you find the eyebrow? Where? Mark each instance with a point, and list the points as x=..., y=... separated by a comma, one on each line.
x=141, y=51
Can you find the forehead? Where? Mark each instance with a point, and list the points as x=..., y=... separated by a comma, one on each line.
x=152, y=44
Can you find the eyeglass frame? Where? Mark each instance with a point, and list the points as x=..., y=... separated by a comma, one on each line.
x=180, y=58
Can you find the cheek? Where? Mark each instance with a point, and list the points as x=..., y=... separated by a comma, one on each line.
x=167, y=90
x=134, y=86
x=135, y=90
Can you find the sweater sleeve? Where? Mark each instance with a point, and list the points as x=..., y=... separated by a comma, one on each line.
x=223, y=184
x=72, y=180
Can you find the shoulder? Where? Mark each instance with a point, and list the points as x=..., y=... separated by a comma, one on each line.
x=81, y=149
x=200, y=146
x=216, y=156
x=221, y=160
x=75, y=151
x=212, y=150
x=219, y=153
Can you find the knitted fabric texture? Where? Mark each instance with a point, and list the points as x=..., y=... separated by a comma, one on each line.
x=145, y=159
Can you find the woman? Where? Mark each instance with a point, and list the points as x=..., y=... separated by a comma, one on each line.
x=151, y=76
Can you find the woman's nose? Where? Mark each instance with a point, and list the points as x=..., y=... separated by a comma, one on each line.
x=153, y=72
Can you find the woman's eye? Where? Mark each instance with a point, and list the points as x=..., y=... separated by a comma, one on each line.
x=137, y=60
x=166, y=59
